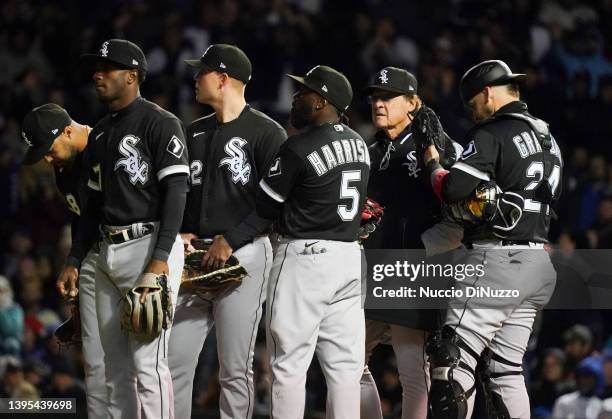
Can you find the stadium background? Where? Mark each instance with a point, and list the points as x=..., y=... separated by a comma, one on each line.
x=564, y=46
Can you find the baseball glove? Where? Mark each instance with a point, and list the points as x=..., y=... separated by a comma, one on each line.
x=481, y=207
x=69, y=332
x=149, y=318
x=427, y=131
x=196, y=279
x=370, y=217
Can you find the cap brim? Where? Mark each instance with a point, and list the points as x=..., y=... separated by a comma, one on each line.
x=516, y=77
x=195, y=63
x=298, y=79
x=89, y=60
x=34, y=155
x=373, y=87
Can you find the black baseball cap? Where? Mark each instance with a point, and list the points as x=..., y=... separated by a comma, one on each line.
x=329, y=83
x=118, y=51
x=393, y=79
x=40, y=127
x=224, y=58
x=487, y=73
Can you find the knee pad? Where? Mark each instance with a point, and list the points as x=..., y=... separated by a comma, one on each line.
x=490, y=404
x=447, y=398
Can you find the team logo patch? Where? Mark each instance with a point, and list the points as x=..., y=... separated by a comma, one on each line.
x=412, y=164
x=338, y=127
x=275, y=168
x=469, y=150
x=133, y=165
x=175, y=147
x=236, y=163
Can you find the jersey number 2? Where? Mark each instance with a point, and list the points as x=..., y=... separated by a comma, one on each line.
x=348, y=212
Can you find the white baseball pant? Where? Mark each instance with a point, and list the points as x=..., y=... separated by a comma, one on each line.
x=136, y=370
x=314, y=305
x=236, y=312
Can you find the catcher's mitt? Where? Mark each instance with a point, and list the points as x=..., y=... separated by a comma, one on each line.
x=481, y=207
x=69, y=332
x=149, y=318
x=370, y=217
x=427, y=131
x=196, y=279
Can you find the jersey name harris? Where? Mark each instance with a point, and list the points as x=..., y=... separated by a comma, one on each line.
x=341, y=152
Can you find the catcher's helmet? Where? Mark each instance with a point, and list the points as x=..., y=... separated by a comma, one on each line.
x=487, y=73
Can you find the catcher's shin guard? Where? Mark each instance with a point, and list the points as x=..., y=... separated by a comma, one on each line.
x=447, y=398
x=490, y=404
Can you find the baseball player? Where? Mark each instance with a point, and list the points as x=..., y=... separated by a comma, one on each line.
x=397, y=181
x=138, y=182
x=52, y=135
x=229, y=152
x=516, y=151
x=316, y=188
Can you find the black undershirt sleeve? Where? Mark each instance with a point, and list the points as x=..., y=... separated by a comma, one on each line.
x=174, y=192
x=267, y=208
x=253, y=225
x=87, y=231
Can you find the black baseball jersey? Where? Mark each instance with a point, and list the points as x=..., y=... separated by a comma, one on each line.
x=508, y=151
x=399, y=183
x=71, y=181
x=132, y=150
x=227, y=161
x=320, y=176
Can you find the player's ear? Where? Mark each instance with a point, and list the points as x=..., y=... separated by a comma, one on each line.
x=68, y=131
x=132, y=77
x=223, y=80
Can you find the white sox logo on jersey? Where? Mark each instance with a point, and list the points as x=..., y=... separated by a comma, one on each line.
x=236, y=162
x=132, y=164
x=413, y=164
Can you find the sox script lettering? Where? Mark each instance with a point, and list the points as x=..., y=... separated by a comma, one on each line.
x=236, y=162
x=132, y=164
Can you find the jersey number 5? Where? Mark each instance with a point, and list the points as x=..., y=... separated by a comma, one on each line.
x=536, y=170
x=348, y=212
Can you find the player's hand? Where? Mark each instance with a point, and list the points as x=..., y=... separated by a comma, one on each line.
x=68, y=282
x=155, y=266
x=218, y=253
x=187, y=238
x=430, y=153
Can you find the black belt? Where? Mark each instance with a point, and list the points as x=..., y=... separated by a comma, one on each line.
x=127, y=234
x=506, y=243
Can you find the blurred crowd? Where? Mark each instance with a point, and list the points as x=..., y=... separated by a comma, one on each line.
x=565, y=47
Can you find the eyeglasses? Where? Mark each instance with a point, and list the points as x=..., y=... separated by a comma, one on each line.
x=385, y=97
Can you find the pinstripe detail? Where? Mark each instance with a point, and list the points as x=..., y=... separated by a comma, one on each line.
x=254, y=331
x=161, y=397
x=270, y=320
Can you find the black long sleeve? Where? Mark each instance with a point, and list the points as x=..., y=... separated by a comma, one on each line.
x=87, y=231
x=253, y=225
x=174, y=197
